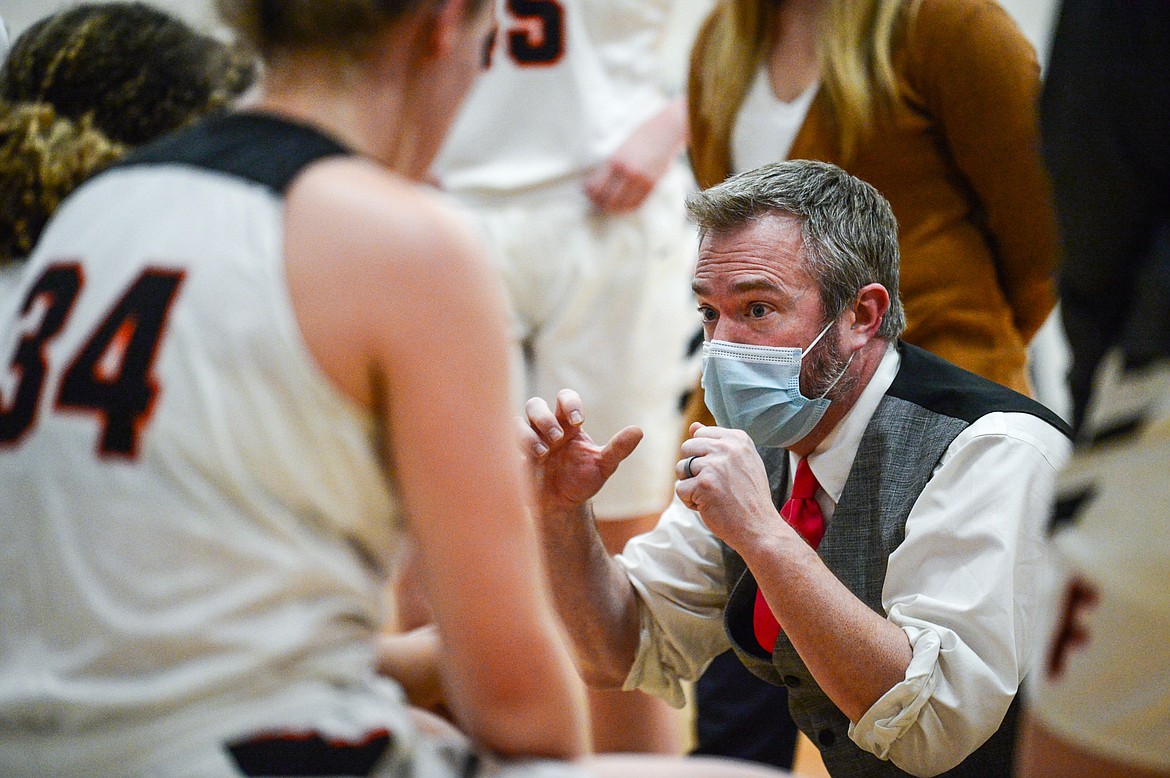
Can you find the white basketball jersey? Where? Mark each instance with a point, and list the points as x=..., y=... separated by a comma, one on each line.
x=195, y=519
x=566, y=82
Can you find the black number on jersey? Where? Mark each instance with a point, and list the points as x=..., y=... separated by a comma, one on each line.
x=56, y=290
x=536, y=35
x=111, y=375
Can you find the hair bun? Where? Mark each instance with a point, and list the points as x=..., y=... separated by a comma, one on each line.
x=43, y=157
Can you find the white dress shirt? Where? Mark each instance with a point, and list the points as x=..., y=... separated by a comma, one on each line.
x=963, y=585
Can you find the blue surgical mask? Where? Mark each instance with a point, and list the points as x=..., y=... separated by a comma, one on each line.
x=757, y=389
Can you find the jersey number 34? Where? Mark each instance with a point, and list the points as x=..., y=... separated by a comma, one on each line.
x=110, y=375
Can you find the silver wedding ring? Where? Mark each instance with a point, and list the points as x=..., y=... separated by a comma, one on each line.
x=687, y=467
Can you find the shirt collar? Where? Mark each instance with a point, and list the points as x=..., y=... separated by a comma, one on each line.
x=833, y=458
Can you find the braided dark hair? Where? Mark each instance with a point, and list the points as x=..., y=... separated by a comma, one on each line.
x=42, y=159
x=82, y=86
x=139, y=71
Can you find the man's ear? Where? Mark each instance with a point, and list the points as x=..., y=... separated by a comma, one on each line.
x=867, y=313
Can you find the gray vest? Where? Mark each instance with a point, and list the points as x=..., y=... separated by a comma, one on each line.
x=930, y=403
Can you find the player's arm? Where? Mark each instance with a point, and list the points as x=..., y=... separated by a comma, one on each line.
x=632, y=41
x=402, y=311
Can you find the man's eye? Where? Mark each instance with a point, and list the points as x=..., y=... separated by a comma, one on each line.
x=759, y=311
x=708, y=314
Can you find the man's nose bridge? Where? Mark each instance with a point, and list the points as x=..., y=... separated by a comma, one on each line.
x=726, y=328
x=721, y=331
x=733, y=330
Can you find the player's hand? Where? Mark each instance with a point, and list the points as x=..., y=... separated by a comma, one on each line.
x=413, y=659
x=568, y=466
x=623, y=182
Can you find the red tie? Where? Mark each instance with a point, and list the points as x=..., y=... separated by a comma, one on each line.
x=804, y=515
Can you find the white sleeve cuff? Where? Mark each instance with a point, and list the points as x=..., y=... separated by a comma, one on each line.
x=897, y=710
x=650, y=672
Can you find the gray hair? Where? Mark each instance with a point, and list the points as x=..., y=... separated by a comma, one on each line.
x=850, y=234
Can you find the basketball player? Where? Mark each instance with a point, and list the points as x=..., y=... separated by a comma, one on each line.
x=567, y=153
x=236, y=373
x=233, y=374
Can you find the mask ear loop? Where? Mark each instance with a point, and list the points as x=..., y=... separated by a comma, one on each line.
x=816, y=340
x=840, y=375
x=844, y=370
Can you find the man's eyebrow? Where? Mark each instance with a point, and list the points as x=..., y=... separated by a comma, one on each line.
x=744, y=285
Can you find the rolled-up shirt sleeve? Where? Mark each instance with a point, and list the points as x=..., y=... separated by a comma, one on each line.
x=677, y=571
x=965, y=587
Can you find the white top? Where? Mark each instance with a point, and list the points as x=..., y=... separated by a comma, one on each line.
x=963, y=585
x=1102, y=678
x=564, y=88
x=766, y=126
x=228, y=555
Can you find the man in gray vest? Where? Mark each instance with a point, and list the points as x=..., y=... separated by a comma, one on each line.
x=865, y=524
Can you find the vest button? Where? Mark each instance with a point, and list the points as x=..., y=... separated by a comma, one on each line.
x=791, y=681
x=826, y=737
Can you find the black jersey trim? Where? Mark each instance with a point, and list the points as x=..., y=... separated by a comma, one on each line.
x=261, y=148
x=939, y=386
x=309, y=754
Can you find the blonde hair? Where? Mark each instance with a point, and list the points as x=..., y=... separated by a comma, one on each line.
x=857, y=69
x=856, y=59
x=43, y=157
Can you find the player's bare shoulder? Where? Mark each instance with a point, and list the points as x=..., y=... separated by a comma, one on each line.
x=379, y=217
x=372, y=260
